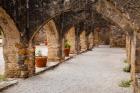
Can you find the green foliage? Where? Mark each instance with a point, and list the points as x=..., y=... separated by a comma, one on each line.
x=38, y=53
x=2, y=78
x=127, y=68
x=125, y=83
x=67, y=45
x=125, y=61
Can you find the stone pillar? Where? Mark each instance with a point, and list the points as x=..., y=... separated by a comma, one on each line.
x=83, y=41
x=71, y=37
x=77, y=41
x=90, y=40
x=96, y=36
x=128, y=48
x=133, y=60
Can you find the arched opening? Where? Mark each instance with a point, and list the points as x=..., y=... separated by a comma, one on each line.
x=46, y=42
x=10, y=37
x=71, y=39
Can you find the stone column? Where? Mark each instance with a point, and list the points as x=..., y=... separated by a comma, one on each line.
x=90, y=41
x=96, y=36
x=77, y=41
x=83, y=41
x=128, y=48
x=133, y=60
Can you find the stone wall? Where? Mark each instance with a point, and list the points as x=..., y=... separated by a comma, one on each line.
x=71, y=37
x=117, y=37
x=11, y=37
x=102, y=35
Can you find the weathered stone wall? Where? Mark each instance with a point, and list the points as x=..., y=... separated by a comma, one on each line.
x=83, y=41
x=117, y=37
x=71, y=37
x=104, y=36
x=11, y=37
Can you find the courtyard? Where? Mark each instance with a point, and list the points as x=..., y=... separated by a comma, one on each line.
x=96, y=71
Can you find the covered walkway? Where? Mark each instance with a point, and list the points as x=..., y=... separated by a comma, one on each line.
x=97, y=71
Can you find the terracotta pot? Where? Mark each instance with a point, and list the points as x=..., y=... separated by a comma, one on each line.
x=46, y=42
x=40, y=61
x=67, y=51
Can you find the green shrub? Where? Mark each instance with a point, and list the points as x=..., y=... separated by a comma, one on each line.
x=125, y=61
x=127, y=68
x=125, y=83
x=67, y=45
x=2, y=78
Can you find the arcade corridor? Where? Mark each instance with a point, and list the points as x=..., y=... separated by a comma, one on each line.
x=96, y=71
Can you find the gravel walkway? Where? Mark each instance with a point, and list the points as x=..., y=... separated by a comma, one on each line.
x=97, y=71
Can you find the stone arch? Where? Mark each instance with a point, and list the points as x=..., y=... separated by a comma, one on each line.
x=49, y=32
x=11, y=37
x=83, y=41
x=71, y=37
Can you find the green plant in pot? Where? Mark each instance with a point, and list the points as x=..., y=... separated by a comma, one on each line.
x=67, y=48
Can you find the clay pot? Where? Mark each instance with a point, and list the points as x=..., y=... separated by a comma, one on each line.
x=40, y=61
x=67, y=51
x=46, y=42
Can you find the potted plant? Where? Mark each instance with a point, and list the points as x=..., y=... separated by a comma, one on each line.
x=67, y=48
x=40, y=60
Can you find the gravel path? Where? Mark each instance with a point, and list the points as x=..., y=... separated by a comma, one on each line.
x=97, y=71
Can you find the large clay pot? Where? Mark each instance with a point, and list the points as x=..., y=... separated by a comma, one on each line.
x=41, y=61
x=67, y=51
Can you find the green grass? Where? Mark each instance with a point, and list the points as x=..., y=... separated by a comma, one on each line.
x=125, y=83
x=2, y=78
x=127, y=68
x=125, y=61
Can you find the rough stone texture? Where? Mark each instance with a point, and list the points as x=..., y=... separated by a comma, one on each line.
x=49, y=32
x=71, y=37
x=90, y=40
x=83, y=41
x=97, y=71
x=104, y=36
x=128, y=48
x=117, y=37
x=108, y=10
x=133, y=61
x=96, y=36
x=11, y=37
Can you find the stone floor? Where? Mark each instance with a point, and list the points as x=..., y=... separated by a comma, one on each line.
x=97, y=71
